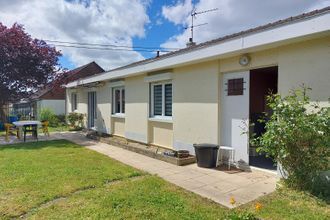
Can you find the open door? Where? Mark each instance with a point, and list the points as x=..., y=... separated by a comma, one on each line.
x=263, y=81
x=234, y=107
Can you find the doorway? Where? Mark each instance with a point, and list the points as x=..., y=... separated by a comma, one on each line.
x=263, y=81
x=91, y=109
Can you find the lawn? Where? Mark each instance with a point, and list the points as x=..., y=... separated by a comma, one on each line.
x=61, y=180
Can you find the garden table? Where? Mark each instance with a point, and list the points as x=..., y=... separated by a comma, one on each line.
x=21, y=124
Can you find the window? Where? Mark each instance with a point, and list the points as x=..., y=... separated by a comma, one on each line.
x=161, y=99
x=235, y=86
x=118, y=100
x=73, y=102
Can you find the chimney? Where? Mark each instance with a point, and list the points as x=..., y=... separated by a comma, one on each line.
x=190, y=43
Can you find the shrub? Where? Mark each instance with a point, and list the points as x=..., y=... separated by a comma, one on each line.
x=76, y=120
x=61, y=119
x=47, y=114
x=298, y=137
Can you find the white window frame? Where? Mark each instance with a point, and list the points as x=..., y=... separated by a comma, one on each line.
x=162, y=116
x=74, y=102
x=120, y=113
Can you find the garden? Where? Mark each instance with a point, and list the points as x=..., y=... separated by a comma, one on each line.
x=61, y=180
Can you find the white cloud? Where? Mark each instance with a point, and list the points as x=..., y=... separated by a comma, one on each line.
x=233, y=16
x=100, y=21
x=177, y=13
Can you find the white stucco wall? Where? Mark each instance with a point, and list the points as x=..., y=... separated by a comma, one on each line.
x=103, y=121
x=137, y=109
x=58, y=106
x=161, y=134
x=195, y=105
x=118, y=126
x=306, y=63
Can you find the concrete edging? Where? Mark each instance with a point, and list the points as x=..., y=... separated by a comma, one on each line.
x=149, y=153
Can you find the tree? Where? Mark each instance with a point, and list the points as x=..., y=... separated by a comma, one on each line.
x=26, y=64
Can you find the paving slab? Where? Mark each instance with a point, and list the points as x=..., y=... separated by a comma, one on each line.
x=216, y=185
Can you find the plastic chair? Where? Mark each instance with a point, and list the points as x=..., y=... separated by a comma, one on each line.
x=30, y=129
x=9, y=128
x=44, y=127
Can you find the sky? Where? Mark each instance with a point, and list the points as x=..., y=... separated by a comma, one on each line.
x=128, y=25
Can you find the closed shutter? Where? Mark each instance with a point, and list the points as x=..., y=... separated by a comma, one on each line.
x=123, y=101
x=157, y=99
x=168, y=99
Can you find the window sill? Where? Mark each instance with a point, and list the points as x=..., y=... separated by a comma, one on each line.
x=166, y=119
x=118, y=115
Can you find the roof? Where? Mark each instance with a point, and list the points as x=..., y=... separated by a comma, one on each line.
x=227, y=37
x=89, y=69
x=221, y=41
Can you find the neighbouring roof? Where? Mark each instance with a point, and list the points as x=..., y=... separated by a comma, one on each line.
x=49, y=92
x=207, y=44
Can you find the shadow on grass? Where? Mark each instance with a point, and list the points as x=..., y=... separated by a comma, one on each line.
x=40, y=144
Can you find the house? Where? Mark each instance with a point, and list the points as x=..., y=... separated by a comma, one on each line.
x=53, y=95
x=211, y=91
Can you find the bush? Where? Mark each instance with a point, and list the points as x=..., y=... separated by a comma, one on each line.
x=47, y=114
x=298, y=137
x=61, y=119
x=76, y=120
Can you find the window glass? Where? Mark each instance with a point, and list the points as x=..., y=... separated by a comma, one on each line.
x=117, y=101
x=95, y=105
x=73, y=102
x=92, y=108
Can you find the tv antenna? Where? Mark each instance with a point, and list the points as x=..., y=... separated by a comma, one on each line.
x=193, y=17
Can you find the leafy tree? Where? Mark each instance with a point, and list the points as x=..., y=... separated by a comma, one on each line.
x=298, y=137
x=26, y=64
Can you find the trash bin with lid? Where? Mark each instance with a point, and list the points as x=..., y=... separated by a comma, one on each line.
x=206, y=155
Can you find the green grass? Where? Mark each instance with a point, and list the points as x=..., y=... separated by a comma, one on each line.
x=144, y=198
x=33, y=173
x=59, y=128
x=286, y=203
x=61, y=180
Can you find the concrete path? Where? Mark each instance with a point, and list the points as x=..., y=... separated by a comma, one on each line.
x=216, y=185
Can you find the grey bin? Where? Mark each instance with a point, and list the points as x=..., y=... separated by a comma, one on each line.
x=206, y=155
